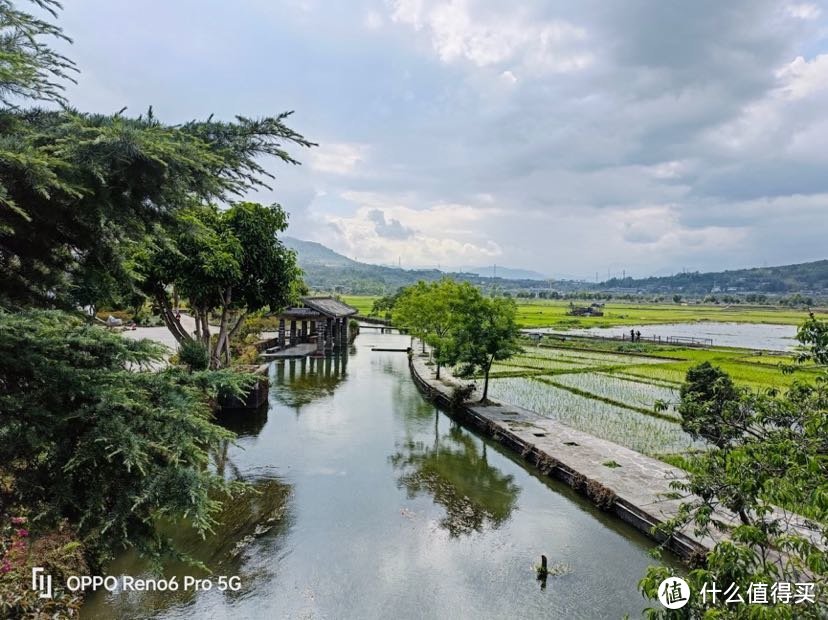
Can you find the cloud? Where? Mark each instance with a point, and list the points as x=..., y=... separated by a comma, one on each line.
x=391, y=228
x=337, y=158
x=568, y=137
x=464, y=30
x=804, y=11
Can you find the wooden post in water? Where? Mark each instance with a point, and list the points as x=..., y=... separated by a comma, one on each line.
x=320, y=337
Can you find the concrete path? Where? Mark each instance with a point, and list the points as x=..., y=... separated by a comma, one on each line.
x=163, y=335
x=640, y=484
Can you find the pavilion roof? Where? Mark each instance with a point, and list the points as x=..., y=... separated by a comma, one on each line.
x=329, y=306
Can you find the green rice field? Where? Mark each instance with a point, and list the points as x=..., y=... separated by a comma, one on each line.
x=610, y=390
x=553, y=313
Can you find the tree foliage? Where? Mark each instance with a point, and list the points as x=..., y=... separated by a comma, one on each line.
x=429, y=311
x=487, y=332
x=29, y=68
x=461, y=325
x=90, y=433
x=74, y=186
x=229, y=262
x=768, y=466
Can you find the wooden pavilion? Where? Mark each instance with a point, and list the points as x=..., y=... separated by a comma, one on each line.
x=319, y=320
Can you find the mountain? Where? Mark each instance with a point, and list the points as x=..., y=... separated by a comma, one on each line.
x=312, y=253
x=799, y=278
x=496, y=271
x=326, y=270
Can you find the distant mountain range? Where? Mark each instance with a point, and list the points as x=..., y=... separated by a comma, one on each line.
x=326, y=270
x=803, y=277
x=507, y=273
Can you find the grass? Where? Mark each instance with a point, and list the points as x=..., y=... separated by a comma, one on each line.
x=543, y=313
x=552, y=313
x=363, y=303
x=610, y=389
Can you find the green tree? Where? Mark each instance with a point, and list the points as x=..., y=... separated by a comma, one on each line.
x=93, y=433
x=229, y=262
x=768, y=467
x=79, y=186
x=486, y=331
x=74, y=187
x=29, y=68
x=384, y=305
x=407, y=311
x=430, y=311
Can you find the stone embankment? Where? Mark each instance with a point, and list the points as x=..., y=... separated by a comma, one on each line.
x=635, y=488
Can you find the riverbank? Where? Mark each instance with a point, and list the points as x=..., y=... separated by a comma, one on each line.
x=633, y=487
x=395, y=510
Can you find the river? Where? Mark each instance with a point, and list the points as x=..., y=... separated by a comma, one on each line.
x=381, y=506
x=740, y=335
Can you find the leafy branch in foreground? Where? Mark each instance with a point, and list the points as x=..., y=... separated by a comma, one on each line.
x=90, y=437
x=30, y=69
x=768, y=467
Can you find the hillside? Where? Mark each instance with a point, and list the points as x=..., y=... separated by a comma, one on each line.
x=804, y=278
x=312, y=253
x=326, y=270
x=507, y=273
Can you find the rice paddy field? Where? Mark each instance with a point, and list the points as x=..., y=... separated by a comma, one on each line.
x=610, y=390
x=553, y=313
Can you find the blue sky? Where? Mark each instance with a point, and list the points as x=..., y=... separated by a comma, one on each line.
x=567, y=137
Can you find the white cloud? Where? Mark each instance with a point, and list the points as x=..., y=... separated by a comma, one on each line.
x=337, y=158
x=384, y=230
x=462, y=30
x=802, y=78
x=804, y=11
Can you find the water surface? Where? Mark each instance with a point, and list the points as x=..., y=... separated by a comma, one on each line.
x=388, y=509
x=741, y=335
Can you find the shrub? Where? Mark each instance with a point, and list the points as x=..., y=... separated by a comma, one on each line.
x=194, y=355
x=460, y=394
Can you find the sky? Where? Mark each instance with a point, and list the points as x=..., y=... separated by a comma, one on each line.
x=578, y=139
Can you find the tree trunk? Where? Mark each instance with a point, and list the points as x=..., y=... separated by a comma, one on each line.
x=215, y=357
x=205, y=328
x=173, y=324
x=231, y=333
x=486, y=379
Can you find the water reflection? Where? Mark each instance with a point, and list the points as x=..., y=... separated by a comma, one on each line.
x=455, y=472
x=257, y=516
x=299, y=382
x=244, y=422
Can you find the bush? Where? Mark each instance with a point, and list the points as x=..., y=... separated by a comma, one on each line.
x=460, y=394
x=194, y=355
x=92, y=436
x=57, y=551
